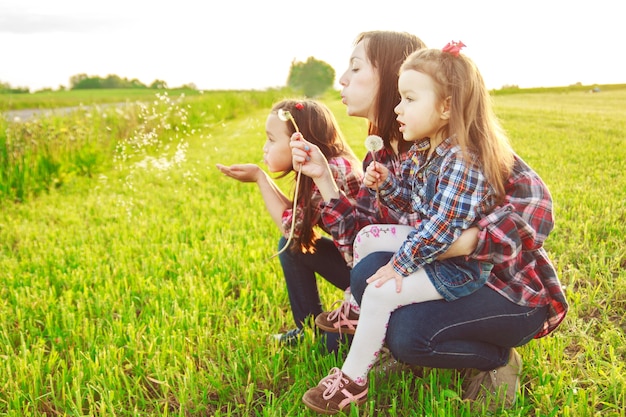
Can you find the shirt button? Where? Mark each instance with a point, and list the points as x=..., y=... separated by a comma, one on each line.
x=410, y=270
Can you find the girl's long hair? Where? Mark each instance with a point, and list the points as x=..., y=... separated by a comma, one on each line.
x=473, y=123
x=317, y=125
x=386, y=51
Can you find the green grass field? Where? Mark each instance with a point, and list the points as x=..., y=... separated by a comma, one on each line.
x=147, y=290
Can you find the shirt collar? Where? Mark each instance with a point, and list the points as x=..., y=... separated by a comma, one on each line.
x=423, y=145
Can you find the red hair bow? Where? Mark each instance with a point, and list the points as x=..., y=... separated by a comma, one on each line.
x=453, y=47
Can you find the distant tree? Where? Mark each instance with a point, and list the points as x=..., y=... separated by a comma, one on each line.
x=112, y=81
x=88, y=83
x=76, y=80
x=189, y=86
x=134, y=83
x=5, y=88
x=158, y=85
x=84, y=82
x=312, y=77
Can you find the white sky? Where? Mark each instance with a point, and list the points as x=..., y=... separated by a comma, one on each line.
x=250, y=44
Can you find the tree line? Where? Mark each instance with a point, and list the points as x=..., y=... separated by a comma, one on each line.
x=86, y=82
x=312, y=78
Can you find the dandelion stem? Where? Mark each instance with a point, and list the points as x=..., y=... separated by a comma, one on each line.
x=295, y=199
x=378, y=208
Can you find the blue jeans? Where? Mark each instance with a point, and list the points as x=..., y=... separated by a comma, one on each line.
x=299, y=270
x=475, y=331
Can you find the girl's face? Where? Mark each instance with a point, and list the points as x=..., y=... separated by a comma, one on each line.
x=360, y=84
x=276, y=151
x=421, y=113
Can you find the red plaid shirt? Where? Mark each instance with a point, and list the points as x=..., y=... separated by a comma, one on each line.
x=512, y=238
x=344, y=218
x=348, y=180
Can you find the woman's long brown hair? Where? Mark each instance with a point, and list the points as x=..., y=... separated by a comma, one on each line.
x=386, y=51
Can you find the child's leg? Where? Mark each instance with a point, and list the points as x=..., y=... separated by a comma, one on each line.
x=376, y=307
x=379, y=238
x=376, y=238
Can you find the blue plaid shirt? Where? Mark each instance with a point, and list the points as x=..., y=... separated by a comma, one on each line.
x=447, y=193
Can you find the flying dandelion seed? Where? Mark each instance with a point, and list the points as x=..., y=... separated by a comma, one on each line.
x=159, y=144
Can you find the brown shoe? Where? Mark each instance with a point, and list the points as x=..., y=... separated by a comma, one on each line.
x=387, y=364
x=335, y=393
x=340, y=320
x=499, y=387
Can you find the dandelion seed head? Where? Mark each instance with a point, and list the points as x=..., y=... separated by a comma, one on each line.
x=373, y=143
x=284, y=115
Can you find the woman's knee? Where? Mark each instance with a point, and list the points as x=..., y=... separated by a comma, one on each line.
x=406, y=338
x=365, y=269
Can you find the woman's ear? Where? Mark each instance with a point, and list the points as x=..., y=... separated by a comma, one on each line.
x=445, y=108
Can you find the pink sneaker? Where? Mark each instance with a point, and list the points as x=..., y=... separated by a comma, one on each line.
x=340, y=320
x=335, y=393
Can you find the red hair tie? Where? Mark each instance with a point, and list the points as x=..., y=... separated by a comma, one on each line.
x=299, y=106
x=453, y=47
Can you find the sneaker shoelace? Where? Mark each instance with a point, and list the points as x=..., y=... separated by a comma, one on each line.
x=333, y=382
x=340, y=314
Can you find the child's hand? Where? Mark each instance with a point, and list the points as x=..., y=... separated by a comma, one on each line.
x=241, y=172
x=386, y=273
x=375, y=174
x=307, y=157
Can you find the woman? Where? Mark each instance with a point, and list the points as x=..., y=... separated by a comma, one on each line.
x=478, y=331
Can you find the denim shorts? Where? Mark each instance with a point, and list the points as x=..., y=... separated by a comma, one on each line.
x=457, y=277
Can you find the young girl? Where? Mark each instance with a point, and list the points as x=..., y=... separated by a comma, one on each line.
x=318, y=125
x=454, y=176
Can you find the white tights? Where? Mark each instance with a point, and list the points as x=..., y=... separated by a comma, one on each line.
x=375, y=238
x=379, y=302
x=379, y=238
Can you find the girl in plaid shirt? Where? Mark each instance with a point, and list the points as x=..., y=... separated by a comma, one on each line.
x=316, y=253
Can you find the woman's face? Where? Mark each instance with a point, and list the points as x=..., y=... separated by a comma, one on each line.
x=276, y=151
x=360, y=84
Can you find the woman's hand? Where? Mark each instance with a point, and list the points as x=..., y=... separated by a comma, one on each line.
x=241, y=172
x=386, y=273
x=308, y=158
x=375, y=174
